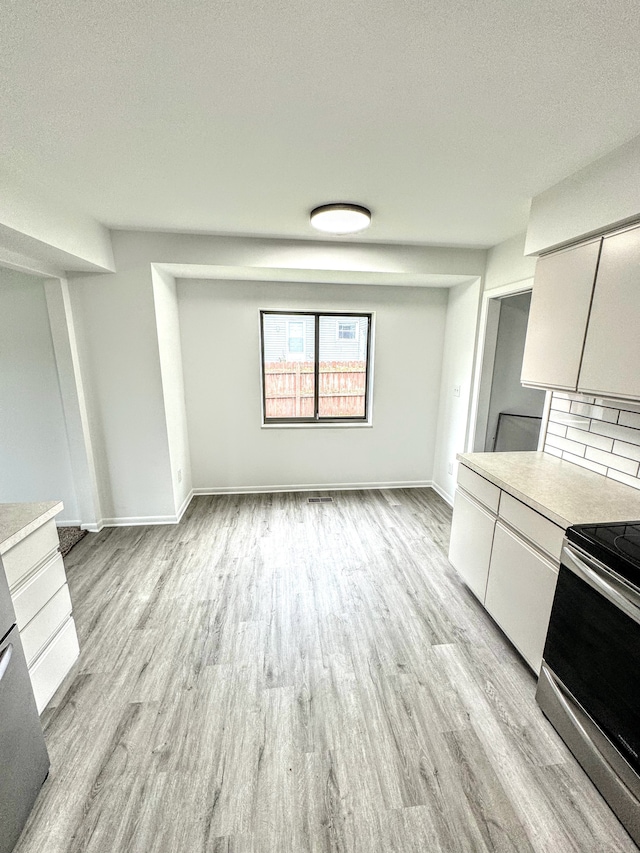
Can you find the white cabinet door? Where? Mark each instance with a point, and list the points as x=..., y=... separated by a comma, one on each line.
x=562, y=290
x=471, y=539
x=520, y=593
x=612, y=349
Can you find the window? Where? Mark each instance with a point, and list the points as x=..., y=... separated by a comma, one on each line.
x=315, y=367
x=295, y=336
x=347, y=330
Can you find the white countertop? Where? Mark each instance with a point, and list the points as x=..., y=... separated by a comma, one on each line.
x=17, y=521
x=563, y=492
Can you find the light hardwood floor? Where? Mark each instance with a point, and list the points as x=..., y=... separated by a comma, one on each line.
x=273, y=675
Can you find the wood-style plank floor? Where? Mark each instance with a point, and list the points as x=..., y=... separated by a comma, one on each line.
x=272, y=675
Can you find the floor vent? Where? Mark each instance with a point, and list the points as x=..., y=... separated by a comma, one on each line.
x=320, y=500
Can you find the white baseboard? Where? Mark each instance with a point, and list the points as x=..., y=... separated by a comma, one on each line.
x=185, y=504
x=446, y=497
x=310, y=487
x=63, y=522
x=94, y=527
x=139, y=520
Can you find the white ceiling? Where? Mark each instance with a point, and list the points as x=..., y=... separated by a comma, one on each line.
x=239, y=116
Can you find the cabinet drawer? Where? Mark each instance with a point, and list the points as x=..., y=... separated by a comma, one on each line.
x=481, y=489
x=38, y=589
x=26, y=555
x=542, y=532
x=45, y=623
x=520, y=593
x=471, y=538
x=54, y=663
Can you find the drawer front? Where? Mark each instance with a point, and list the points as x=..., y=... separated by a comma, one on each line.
x=54, y=663
x=471, y=538
x=45, y=623
x=538, y=529
x=26, y=555
x=520, y=593
x=481, y=489
x=30, y=597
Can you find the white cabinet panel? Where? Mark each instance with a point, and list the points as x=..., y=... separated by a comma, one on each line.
x=520, y=593
x=470, y=545
x=39, y=588
x=27, y=554
x=54, y=663
x=479, y=487
x=538, y=529
x=612, y=348
x=45, y=623
x=562, y=289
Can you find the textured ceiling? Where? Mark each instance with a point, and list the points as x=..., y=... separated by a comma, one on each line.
x=239, y=117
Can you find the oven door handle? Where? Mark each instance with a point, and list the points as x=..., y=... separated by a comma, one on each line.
x=599, y=579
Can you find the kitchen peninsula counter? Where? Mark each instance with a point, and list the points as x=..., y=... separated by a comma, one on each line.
x=563, y=492
x=17, y=521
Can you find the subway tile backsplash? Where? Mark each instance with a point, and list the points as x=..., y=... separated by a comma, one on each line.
x=599, y=434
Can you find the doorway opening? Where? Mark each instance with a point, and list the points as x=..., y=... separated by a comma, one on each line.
x=509, y=416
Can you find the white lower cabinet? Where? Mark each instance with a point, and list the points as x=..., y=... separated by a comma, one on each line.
x=520, y=593
x=37, y=581
x=508, y=555
x=471, y=540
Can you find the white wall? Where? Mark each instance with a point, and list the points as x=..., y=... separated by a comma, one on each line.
x=72, y=391
x=506, y=263
x=457, y=367
x=35, y=463
x=507, y=393
x=219, y=324
x=598, y=197
x=119, y=349
x=118, y=344
x=165, y=297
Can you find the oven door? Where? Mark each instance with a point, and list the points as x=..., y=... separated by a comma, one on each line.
x=589, y=686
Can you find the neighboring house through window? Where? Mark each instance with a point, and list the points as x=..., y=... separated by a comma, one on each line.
x=347, y=330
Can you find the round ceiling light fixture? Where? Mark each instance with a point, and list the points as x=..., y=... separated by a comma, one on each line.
x=340, y=218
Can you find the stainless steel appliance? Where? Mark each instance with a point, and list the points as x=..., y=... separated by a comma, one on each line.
x=24, y=762
x=589, y=685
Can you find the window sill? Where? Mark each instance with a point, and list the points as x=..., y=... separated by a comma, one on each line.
x=333, y=425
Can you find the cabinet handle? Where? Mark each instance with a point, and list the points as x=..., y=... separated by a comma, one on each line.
x=597, y=576
x=5, y=659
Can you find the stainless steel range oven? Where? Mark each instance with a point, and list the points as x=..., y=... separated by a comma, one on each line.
x=589, y=685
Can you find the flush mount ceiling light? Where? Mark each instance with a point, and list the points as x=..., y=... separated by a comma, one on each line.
x=340, y=218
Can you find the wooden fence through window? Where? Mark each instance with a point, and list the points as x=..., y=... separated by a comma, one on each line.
x=289, y=389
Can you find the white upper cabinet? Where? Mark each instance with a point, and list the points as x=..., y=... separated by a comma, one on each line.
x=611, y=362
x=562, y=291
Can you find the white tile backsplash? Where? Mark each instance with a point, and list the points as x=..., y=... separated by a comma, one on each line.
x=630, y=419
x=561, y=404
x=596, y=433
x=585, y=463
x=610, y=460
x=566, y=418
x=590, y=439
x=564, y=444
x=631, y=451
x=600, y=413
x=557, y=429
